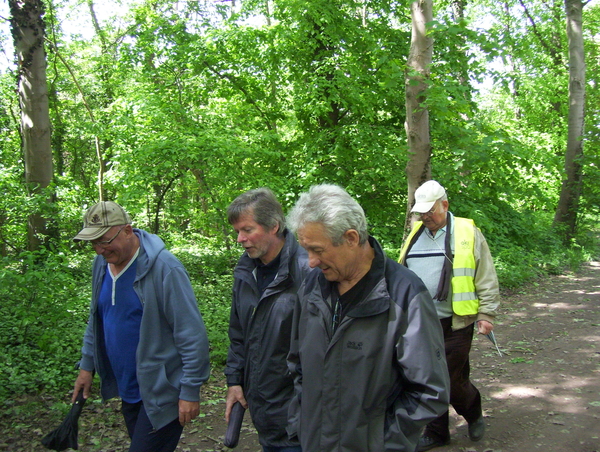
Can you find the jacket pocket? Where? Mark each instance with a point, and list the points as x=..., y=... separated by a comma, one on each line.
x=155, y=386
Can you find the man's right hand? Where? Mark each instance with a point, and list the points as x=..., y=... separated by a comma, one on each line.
x=84, y=380
x=234, y=394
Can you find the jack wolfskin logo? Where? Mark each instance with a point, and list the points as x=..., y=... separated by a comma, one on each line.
x=95, y=219
x=354, y=345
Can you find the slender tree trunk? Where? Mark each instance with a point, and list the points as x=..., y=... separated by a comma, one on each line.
x=418, y=169
x=566, y=212
x=107, y=97
x=28, y=30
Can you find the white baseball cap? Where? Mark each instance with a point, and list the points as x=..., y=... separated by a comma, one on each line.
x=426, y=196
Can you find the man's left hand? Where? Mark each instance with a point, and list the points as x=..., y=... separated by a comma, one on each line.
x=484, y=327
x=188, y=411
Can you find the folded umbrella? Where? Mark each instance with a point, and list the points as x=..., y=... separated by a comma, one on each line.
x=232, y=435
x=492, y=338
x=65, y=435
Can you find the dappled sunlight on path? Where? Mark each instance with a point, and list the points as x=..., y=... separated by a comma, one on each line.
x=544, y=393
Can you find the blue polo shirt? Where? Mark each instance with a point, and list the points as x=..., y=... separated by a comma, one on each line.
x=120, y=312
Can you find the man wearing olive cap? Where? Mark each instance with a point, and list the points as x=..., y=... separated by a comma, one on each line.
x=452, y=258
x=145, y=336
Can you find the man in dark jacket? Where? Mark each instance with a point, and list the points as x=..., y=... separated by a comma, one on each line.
x=266, y=281
x=367, y=350
x=145, y=337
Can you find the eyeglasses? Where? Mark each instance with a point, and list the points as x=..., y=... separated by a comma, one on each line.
x=431, y=212
x=105, y=243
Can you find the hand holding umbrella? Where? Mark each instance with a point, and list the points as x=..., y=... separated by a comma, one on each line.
x=487, y=329
x=65, y=435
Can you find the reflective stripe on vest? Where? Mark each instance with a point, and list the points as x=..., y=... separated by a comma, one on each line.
x=464, y=296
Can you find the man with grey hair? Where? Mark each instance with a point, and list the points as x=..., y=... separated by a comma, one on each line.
x=367, y=350
x=266, y=281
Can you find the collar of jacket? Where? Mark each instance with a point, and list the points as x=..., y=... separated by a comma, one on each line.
x=245, y=266
x=378, y=299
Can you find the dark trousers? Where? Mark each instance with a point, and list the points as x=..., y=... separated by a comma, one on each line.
x=464, y=397
x=143, y=436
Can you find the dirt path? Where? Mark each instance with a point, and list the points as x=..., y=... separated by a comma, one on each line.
x=542, y=395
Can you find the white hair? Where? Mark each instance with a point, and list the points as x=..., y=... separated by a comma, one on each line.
x=331, y=206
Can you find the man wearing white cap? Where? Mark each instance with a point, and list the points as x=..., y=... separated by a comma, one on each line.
x=453, y=259
x=145, y=336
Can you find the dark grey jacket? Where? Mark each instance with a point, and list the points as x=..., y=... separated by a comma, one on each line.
x=259, y=333
x=373, y=384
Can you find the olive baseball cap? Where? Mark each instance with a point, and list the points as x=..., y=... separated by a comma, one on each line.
x=100, y=218
x=426, y=196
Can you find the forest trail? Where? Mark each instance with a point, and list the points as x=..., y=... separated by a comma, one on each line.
x=542, y=395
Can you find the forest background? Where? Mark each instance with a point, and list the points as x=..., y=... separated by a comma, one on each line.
x=173, y=108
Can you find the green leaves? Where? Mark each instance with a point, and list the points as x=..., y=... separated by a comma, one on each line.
x=44, y=314
x=194, y=103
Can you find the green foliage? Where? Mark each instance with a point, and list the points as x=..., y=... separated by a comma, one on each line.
x=214, y=301
x=540, y=252
x=43, y=317
x=515, y=266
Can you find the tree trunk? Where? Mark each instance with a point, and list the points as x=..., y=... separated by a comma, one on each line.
x=28, y=30
x=566, y=212
x=418, y=169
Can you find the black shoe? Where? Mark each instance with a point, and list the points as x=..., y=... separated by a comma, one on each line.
x=477, y=429
x=427, y=442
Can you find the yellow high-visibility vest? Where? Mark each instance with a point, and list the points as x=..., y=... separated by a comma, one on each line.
x=464, y=296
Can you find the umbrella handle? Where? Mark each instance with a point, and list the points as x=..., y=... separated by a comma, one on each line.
x=80, y=400
x=232, y=435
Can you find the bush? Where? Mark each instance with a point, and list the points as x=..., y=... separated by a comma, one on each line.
x=214, y=301
x=515, y=266
x=44, y=312
x=211, y=272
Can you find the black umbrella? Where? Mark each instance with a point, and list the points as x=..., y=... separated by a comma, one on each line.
x=65, y=435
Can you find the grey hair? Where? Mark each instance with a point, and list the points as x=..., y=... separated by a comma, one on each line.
x=264, y=206
x=331, y=206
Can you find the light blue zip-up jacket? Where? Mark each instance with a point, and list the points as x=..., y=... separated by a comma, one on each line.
x=172, y=355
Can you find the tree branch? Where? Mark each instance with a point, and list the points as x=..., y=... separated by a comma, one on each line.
x=249, y=99
x=552, y=50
